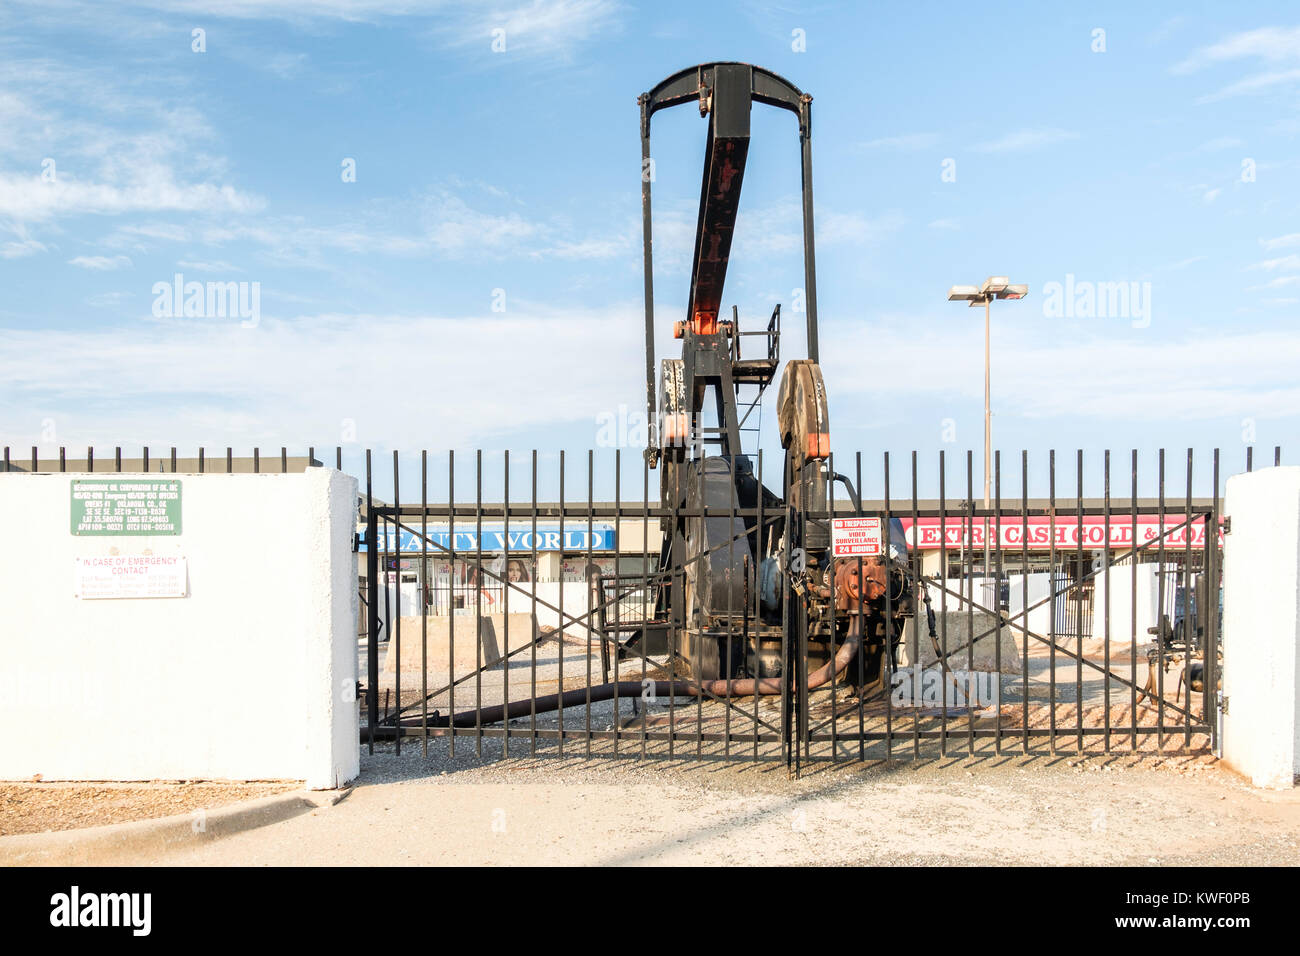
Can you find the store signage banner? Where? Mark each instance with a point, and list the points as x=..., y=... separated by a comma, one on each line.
x=1038, y=532
x=497, y=539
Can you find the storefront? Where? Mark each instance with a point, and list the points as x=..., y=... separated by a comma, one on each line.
x=1016, y=558
x=457, y=567
x=1062, y=568
x=1069, y=543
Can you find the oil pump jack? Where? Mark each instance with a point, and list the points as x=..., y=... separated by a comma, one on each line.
x=812, y=610
x=748, y=596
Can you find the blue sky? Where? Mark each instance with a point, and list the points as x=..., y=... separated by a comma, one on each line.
x=1169, y=159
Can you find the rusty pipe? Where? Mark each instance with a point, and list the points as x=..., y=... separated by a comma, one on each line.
x=745, y=687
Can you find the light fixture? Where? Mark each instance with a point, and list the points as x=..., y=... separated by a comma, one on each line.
x=965, y=293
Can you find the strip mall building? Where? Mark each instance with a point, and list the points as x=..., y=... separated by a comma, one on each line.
x=1036, y=553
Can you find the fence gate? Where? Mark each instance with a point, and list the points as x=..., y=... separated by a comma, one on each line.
x=1076, y=621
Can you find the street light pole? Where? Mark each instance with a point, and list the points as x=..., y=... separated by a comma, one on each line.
x=994, y=287
x=988, y=456
x=988, y=414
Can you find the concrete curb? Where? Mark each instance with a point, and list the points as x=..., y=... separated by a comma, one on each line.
x=141, y=841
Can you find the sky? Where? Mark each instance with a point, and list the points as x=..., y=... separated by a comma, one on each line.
x=432, y=210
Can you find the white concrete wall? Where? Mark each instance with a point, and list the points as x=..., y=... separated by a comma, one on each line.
x=1039, y=619
x=409, y=596
x=1125, y=600
x=575, y=601
x=982, y=590
x=251, y=675
x=1261, y=626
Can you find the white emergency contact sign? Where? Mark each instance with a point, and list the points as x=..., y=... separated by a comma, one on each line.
x=130, y=576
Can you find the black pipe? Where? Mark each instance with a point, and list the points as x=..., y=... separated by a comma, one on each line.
x=744, y=687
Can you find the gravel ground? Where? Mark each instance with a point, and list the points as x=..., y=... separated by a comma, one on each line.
x=698, y=806
x=40, y=807
x=1135, y=810
x=496, y=684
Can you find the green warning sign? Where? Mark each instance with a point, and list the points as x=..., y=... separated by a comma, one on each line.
x=126, y=506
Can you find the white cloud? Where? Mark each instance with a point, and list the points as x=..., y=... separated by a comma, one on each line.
x=537, y=31
x=1127, y=375
x=1253, y=84
x=28, y=199
x=904, y=141
x=1275, y=46
x=1278, y=283
x=108, y=300
x=836, y=227
x=199, y=265
x=448, y=226
x=547, y=29
x=1026, y=139
x=100, y=263
x=1281, y=263
x=291, y=10
x=595, y=248
x=84, y=141
x=777, y=227
x=1206, y=192
x=454, y=228
x=1222, y=142
x=18, y=249
x=194, y=381
x=198, y=382
x=1281, y=242
x=291, y=241
x=143, y=236
x=1272, y=44
x=285, y=65
x=534, y=28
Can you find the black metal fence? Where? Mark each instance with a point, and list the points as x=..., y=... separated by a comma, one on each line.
x=1081, y=621
x=1033, y=628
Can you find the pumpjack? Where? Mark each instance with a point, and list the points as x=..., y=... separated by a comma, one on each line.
x=749, y=590
x=749, y=597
